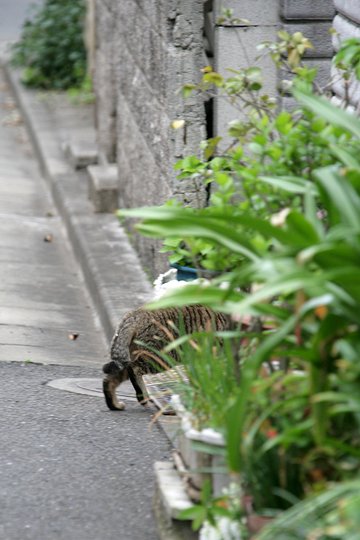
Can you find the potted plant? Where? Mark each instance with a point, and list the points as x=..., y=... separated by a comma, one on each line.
x=207, y=373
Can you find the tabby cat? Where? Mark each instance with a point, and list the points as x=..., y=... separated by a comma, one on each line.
x=154, y=329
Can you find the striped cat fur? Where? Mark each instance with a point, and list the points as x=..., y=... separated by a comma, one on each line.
x=154, y=329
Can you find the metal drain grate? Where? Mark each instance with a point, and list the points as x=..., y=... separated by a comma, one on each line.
x=162, y=385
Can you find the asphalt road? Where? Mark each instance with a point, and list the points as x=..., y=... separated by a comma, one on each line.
x=69, y=468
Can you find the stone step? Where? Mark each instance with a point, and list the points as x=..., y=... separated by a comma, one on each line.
x=80, y=154
x=103, y=187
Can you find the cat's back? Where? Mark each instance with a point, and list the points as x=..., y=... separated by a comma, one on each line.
x=171, y=321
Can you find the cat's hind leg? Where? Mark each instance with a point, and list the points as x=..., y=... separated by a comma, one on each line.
x=113, y=377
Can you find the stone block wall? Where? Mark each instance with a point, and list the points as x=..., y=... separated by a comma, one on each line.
x=347, y=25
x=146, y=50
x=104, y=78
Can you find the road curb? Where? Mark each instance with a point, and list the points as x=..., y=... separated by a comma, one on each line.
x=169, y=500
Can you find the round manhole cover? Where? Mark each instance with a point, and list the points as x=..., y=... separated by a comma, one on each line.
x=92, y=387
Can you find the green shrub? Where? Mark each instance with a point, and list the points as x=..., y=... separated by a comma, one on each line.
x=295, y=432
x=51, y=47
x=283, y=221
x=262, y=142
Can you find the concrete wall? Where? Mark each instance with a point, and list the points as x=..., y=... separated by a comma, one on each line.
x=235, y=47
x=314, y=20
x=347, y=25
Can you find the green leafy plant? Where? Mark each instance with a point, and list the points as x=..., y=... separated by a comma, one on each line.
x=347, y=58
x=51, y=47
x=83, y=94
x=308, y=285
x=287, y=144
x=211, y=374
x=347, y=64
x=283, y=216
x=332, y=515
x=217, y=515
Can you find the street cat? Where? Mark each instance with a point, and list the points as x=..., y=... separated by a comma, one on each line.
x=154, y=329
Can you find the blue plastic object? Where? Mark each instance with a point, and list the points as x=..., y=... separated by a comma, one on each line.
x=185, y=273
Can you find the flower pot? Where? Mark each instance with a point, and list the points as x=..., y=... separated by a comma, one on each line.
x=188, y=273
x=197, y=464
x=254, y=522
x=185, y=273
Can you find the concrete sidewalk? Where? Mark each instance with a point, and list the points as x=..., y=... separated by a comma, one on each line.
x=44, y=304
x=110, y=267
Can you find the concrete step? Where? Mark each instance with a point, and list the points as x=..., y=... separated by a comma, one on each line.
x=80, y=154
x=103, y=187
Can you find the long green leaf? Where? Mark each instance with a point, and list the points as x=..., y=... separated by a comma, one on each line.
x=282, y=284
x=195, y=294
x=342, y=196
x=306, y=516
x=311, y=212
x=259, y=225
x=337, y=397
x=330, y=112
x=205, y=228
x=219, y=226
x=346, y=157
x=289, y=435
x=291, y=184
x=301, y=230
